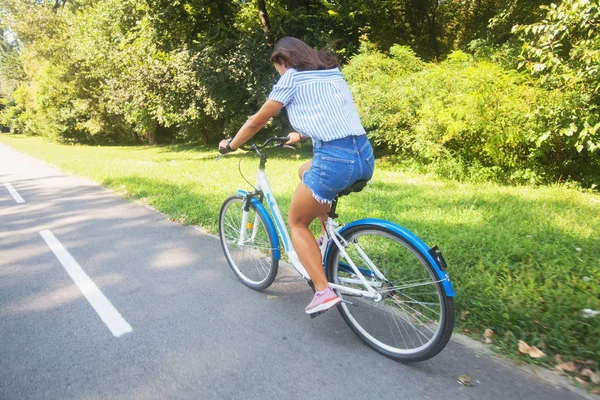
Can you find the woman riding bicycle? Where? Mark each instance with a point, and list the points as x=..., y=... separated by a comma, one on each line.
x=319, y=105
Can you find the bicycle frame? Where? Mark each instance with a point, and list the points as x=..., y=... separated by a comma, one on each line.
x=377, y=260
x=280, y=228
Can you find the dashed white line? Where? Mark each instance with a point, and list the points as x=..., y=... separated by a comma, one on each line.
x=107, y=312
x=14, y=193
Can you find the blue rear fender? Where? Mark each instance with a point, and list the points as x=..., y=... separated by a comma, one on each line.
x=262, y=211
x=413, y=240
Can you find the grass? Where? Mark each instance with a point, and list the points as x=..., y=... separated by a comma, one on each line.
x=524, y=260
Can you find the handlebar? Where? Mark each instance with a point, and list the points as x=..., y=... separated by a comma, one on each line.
x=281, y=141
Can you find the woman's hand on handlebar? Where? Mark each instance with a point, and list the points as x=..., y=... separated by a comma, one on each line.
x=223, y=149
x=295, y=138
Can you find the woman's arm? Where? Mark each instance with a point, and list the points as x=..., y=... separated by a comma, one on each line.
x=254, y=124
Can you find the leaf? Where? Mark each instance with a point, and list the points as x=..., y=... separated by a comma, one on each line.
x=587, y=372
x=534, y=352
x=542, y=138
x=581, y=381
x=465, y=380
x=531, y=351
x=488, y=333
x=567, y=367
x=524, y=347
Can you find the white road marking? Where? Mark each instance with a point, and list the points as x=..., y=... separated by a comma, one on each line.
x=14, y=193
x=107, y=312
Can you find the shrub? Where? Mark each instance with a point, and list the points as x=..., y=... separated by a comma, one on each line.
x=491, y=121
x=375, y=81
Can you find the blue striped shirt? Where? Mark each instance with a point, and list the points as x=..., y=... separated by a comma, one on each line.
x=319, y=103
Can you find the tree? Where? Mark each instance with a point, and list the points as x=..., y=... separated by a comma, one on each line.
x=563, y=50
x=11, y=70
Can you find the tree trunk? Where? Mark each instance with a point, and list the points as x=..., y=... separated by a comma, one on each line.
x=431, y=20
x=264, y=20
x=203, y=135
x=59, y=4
x=151, y=138
x=151, y=133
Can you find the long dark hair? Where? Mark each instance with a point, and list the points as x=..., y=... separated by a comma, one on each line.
x=294, y=53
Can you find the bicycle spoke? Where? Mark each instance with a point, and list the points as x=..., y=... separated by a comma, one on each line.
x=420, y=303
x=428, y=283
x=394, y=312
x=407, y=321
x=398, y=325
x=248, y=249
x=404, y=317
x=405, y=307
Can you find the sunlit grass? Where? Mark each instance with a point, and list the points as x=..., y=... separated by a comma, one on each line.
x=525, y=261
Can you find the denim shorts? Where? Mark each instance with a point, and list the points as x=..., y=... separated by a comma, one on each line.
x=337, y=164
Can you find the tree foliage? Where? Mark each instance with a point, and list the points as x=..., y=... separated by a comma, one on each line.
x=157, y=71
x=563, y=51
x=463, y=116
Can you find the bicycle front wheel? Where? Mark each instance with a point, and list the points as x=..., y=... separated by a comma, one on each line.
x=414, y=318
x=249, y=249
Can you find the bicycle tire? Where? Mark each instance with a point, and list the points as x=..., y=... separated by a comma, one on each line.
x=413, y=299
x=254, y=261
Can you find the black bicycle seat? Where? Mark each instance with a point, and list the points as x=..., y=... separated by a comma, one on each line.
x=355, y=187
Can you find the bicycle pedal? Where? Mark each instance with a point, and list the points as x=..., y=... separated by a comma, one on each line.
x=315, y=315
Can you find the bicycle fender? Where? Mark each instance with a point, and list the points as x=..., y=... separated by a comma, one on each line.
x=414, y=241
x=260, y=208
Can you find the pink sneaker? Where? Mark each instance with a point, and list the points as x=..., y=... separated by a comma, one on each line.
x=323, y=301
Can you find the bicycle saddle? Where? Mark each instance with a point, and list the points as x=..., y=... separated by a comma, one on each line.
x=355, y=187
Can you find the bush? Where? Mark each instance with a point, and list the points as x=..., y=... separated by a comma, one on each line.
x=490, y=121
x=375, y=81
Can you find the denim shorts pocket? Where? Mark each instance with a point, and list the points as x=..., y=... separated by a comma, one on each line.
x=367, y=160
x=336, y=173
x=366, y=146
x=370, y=161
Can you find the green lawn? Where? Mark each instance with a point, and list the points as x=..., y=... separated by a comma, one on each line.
x=524, y=261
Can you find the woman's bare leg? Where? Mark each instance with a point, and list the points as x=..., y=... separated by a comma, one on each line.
x=303, y=210
x=322, y=217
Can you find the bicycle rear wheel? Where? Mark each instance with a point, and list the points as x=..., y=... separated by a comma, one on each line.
x=414, y=318
x=252, y=257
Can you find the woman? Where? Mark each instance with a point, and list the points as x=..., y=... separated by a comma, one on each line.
x=319, y=105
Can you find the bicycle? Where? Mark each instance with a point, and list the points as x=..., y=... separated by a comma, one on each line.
x=396, y=295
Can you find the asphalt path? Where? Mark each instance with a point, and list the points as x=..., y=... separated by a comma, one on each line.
x=195, y=332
